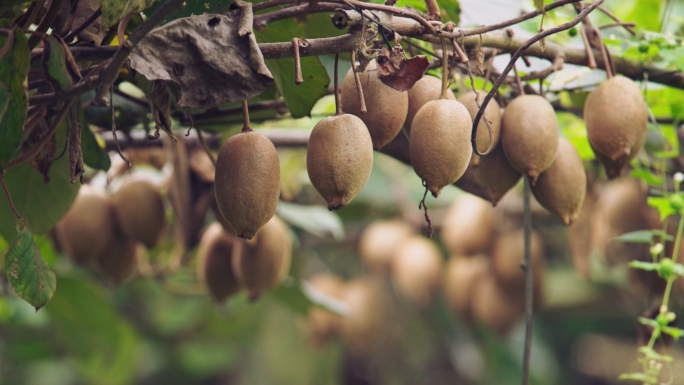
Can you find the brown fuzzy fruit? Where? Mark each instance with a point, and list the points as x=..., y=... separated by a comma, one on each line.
x=529, y=135
x=468, y=226
x=496, y=174
x=495, y=306
x=581, y=234
x=264, y=261
x=416, y=269
x=215, y=255
x=562, y=187
x=247, y=182
x=616, y=117
x=322, y=325
x=119, y=258
x=365, y=320
x=139, y=209
x=440, y=143
x=88, y=226
x=424, y=90
x=386, y=106
x=460, y=276
x=492, y=113
x=379, y=241
x=339, y=158
x=508, y=255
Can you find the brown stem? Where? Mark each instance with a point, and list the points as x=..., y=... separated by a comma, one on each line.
x=110, y=73
x=338, y=108
x=245, y=117
x=459, y=51
x=8, y=196
x=205, y=146
x=521, y=90
x=116, y=140
x=260, y=21
x=357, y=81
x=45, y=23
x=299, y=79
x=445, y=70
x=31, y=153
x=33, y=13
x=433, y=11
x=423, y=205
x=604, y=54
x=514, y=58
x=121, y=28
x=90, y=20
x=591, y=61
x=627, y=26
x=610, y=25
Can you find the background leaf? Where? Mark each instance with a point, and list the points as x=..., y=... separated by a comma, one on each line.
x=4, y=99
x=27, y=271
x=316, y=220
x=114, y=10
x=94, y=155
x=14, y=68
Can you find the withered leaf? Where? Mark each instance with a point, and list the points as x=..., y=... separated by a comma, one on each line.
x=75, y=152
x=401, y=74
x=94, y=33
x=161, y=108
x=207, y=56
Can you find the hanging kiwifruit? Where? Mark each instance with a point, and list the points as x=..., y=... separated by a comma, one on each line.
x=495, y=306
x=119, y=258
x=460, y=276
x=365, y=320
x=424, y=90
x=263, y=262
x=529, y=135
x=321, y=324
x=416, y=268
x=562, y=187
x=581, y=234
x=386, y=106
x=247, y=182
x=139, y=209
x=616, y=133
x=215, y=255
x=379, y=241
x=339, y=158
x=468, y=226
x=440, y=147
x=508, y=256
x=496, y=174
x=485, y=138
x=87, y=227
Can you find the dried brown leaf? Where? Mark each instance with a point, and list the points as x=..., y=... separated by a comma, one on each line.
x=401, y=74
x=94, y=33
x=75, y=153
x=161, y=108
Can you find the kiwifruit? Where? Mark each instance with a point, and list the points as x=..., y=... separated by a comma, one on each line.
x=139, y=209
x=119, y=258
x=215, y=255
x=492, y=113
x=440, y=147
x=508, y=256
x=264, y=261
x=460, y=276
x=386, y=106
x=424, y=90
x=616, y=117
x=322, y=325
x=496, y=174
x=339, y=158
x=495, y=306
x=468, y=226
x=247, y=182
x=529, y=135
x=562, y=187
x=580, y=236
x=87, y=227
x=416, y=268
x=365, y=319
x=379, y=241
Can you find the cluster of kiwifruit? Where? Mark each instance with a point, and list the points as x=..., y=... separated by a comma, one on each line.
x=227, y=264
x=109, y=230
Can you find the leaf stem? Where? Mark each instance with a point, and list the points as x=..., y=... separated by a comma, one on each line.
x=9, y=197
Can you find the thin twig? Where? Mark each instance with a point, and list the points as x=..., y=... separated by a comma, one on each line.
x=517, y=55
x=246, y=126
x=205, y=146
x=90, y=20
x=299, y=79
x=445, y=70
x=422, y=205
x=45, y=23
x=34, y=10
x=121, y=28
x=606, y=59
x=529, y=283
x=110, y=73
x=338, y=107
x=610, y=25
x=627, y=27
x=461, y=54
x=116, y=140
x=591, y=61
x=433, y=11
x=521, y=90
x=357, y=81
x=8, y=196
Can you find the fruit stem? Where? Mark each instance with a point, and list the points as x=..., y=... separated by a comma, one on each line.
x=9, y=197
x=245, y=117
x=338, y=109
x=445, y=69
x=357, y=81
x=299, y=79
x=529, y=284
x=518, y=81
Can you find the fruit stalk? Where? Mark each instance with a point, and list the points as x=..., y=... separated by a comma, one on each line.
x=357, y=80
x=245, y=117
x=445, y=70
x=529, y=284
x=338, y=109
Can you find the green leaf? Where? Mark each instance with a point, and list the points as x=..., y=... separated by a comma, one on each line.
x=300, y=296
x=648, y=322
x=451, y=10
x=42, y=204
x=641, y=377
x=26, y=269
x=675, y=333
x=55, y=65
x=647, y=266
x=114, y=10
x=94, y=155
x=653, y=355
x=647, y=176
x=4, y=100
x=539, y=4
x=678, y=269
x=299, y=99
x=662, y=204
x=14, y=68
x=317, y=220
x=645, y=13
x=642, y=236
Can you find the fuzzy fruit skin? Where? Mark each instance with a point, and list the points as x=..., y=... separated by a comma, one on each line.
x=339, y=158
x=460, y=276
x=139, y=209
x=215, y=255
x=496, y=174
x=529, y=135
x=424, y=90
x=416, y=269
x=247, y=184
x=439, y=148
x=468, y=226
x=386, y=107
x=323, y=325
x=494, y=306
x=263, y=262
x=119, y=258
x=616, y=118
x=379, y=242
x=492, y=114
x=87, y=227
x=562, y=187
x=364, y=323
x=508, y=254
